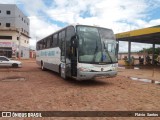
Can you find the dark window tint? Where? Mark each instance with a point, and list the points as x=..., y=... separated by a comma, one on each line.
x=51, y=41
x=63, y=35
x=106, y=34
x=41, y=45
x=3, y=59
x=69, y=34
x=48, y=41
x=6, y=37
x=59, y=38
x=8, y=24
x=0, y=24
x=62, y=42
x=55, y=39
x=45, y=43
x=0, y=11
x=8, y=12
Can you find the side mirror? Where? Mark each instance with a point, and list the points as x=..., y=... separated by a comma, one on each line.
x=74, y=41
x=117, y=46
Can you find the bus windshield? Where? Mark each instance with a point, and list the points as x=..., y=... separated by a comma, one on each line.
x=96, y=45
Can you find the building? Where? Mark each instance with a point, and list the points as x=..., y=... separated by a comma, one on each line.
x=136, y=55
x=32, y=53
x=14, y=32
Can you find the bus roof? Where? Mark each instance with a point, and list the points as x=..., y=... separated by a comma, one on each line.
x=74, y=25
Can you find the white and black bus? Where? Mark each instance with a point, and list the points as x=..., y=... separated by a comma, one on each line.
x=79, y=51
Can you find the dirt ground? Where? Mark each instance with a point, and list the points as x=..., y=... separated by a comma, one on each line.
x=140, y=71
x=46, y=91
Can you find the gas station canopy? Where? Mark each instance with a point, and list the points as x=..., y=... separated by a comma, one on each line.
x=146, y=35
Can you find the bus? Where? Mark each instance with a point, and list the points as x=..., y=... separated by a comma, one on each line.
x=78, y=51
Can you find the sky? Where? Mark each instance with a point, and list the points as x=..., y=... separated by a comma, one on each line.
x=48, y=16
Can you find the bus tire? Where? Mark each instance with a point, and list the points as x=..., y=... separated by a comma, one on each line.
x=42, y=66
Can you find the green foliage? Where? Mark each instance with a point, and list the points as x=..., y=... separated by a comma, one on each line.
x=149, y=50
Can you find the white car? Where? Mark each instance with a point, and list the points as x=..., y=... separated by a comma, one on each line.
x=4, y=61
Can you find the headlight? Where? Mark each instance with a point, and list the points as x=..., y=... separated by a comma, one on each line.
x=114, y=66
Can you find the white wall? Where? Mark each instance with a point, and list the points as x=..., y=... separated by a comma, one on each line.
x=24, y=42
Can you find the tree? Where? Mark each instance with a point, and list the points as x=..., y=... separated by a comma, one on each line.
x=149, y=50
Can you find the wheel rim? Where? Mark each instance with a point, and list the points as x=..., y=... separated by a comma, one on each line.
x=42, y=66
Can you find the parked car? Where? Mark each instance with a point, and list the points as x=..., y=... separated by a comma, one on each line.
x=4, y=61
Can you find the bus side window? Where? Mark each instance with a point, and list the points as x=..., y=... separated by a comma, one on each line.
x=59, y=38
x=63, y=35
x=48, y=40
x=63, y=43
x=55, y=40
x=51, y=41
x=69, y=34
x=44, y=44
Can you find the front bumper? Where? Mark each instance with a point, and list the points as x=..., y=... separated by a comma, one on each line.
x=91, y=75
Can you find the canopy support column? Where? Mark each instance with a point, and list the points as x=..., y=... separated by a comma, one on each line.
x=129, y=52
x=153, y=52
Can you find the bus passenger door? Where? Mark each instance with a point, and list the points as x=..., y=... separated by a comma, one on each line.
x=63, y=54
x=74, y=57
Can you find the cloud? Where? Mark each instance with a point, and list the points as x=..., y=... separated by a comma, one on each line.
x=40, y=28
x=119, y=15
x=32, y=7
x=7, y=2
x=153, y=23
